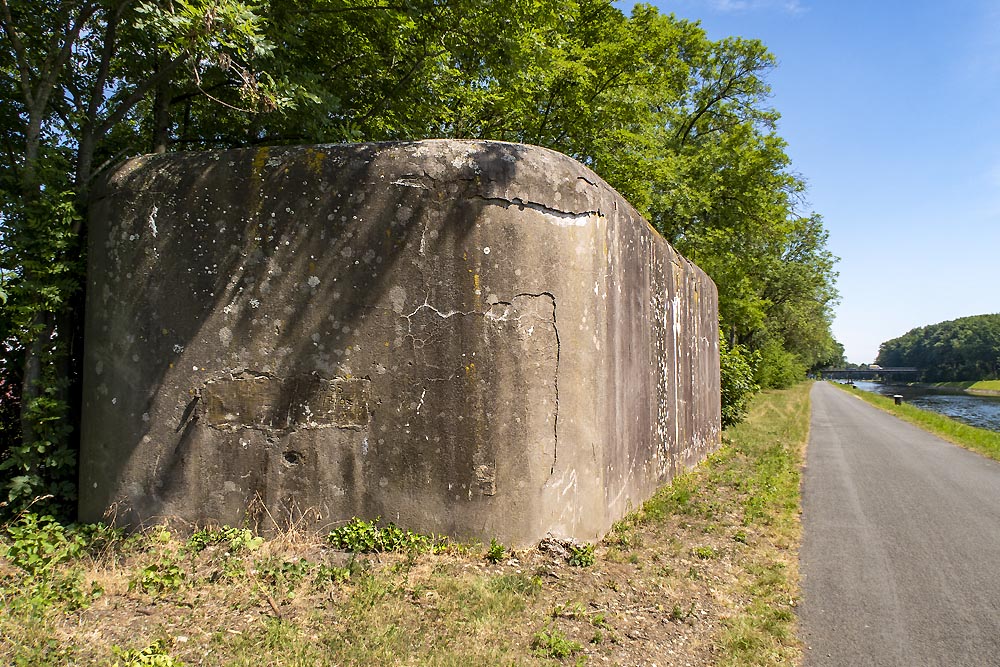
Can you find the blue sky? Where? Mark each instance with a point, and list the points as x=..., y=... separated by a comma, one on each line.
x=891, y=111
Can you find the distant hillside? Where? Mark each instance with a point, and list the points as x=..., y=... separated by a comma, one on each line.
x=964, y=349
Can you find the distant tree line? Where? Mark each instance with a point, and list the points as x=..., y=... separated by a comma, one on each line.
x=678, y=123
x=966, y=349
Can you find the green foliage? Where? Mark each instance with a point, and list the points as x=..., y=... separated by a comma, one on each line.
x=623, y=536
x=496, y=551
x=737, y=368
x=765, y=462
x=154, y=655
x=236, y=540
x=163, y=576
x=38, y=471
x=362, y=536
x=85, y=84
x=677, y=123
x=778, y=368
x=284, y=575
x=550, y=642
x=67, y=590
x=333, y=574
x=964, y=349
x=39, y=543
x=581, y=555
x=675, y=498
x=704, y=553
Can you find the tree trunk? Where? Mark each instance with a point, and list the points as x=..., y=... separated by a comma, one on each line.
x=161, y=114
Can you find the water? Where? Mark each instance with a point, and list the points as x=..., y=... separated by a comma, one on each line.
x=981, y=411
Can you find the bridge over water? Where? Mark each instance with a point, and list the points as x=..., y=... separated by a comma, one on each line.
x=898, y=374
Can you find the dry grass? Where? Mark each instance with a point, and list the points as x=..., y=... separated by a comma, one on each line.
x=704, y=574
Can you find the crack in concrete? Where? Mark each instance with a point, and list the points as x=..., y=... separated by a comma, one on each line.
x=487, y=315
x=555, y=381
x=444, y=315
x=554, y=215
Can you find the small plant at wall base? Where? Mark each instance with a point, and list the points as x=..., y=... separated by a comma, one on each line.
x=362, y=536
x=39, y=543
x=160, y=577
x=581, y=555
x=235, y=539
x=496, y=551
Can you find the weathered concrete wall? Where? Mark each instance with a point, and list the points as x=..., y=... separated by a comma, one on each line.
x=472, y=338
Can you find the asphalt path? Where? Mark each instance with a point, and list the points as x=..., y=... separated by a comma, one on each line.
x=900, y=558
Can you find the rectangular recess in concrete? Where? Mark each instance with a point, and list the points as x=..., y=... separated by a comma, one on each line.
x=282, y=403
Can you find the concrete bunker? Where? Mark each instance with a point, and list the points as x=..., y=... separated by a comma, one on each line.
x=473, y=338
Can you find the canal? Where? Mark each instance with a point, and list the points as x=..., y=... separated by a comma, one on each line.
x=981, y=411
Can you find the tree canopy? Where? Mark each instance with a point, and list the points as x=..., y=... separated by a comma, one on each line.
x=966, y=349
x=681, y=125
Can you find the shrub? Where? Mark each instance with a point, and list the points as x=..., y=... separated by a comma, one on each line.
x=738, y=369
x=778, y=368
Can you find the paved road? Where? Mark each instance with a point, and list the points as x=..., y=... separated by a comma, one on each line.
x=900, y=557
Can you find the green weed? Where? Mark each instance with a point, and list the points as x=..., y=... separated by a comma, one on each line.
x=551, y=643
x=362, y=536
x=581, y=555
x=496, y=552
x=154, y=655
x=163, y=576
x=236, y=540
x=39, y=543
x=704, y=553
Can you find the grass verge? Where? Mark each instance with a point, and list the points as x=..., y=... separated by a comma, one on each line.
x=978, y=440
x=705, y=573
x=982, y=386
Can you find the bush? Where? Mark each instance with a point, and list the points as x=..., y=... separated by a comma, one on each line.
x=738, y=368
x=778, y=368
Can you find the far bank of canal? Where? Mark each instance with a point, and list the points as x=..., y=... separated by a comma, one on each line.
x=980, y=411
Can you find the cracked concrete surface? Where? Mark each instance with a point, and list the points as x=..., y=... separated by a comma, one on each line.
x=472, y=338
x=551, y=214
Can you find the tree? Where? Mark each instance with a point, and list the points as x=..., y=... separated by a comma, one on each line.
x=966, y=349
x=84, y=84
